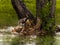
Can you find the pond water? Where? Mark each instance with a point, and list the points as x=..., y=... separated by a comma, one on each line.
x=10, y=39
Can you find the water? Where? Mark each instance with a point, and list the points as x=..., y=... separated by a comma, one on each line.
x=57, y=38
x=11, y=39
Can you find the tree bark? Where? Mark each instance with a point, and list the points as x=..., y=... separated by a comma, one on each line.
x=21, y=9
x=40, y=5
x=52, y=9
x=41, y=22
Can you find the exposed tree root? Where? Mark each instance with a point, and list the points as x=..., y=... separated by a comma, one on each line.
x=29, y=29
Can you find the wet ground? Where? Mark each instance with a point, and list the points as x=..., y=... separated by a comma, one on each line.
x=11, y=39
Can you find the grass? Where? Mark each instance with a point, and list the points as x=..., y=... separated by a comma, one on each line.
x=8, y=15
x=31, y=5
x=57, y=12
x=43, y=40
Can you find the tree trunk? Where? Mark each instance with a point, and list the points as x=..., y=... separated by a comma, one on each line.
x=53, y=8
x=21, y=9
x=44, y=14
x=48, y=15
x=53, y=11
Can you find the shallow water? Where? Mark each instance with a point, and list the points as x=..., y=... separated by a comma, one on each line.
x=10, y=39
x=16, y=40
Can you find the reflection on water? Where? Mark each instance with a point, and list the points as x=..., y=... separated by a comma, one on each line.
x=57, y=40
x=20, y=40
x=10, y=39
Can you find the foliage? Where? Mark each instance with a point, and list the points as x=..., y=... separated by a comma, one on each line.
x=43, y=40
x=8, y=15
x=15, y=41
x=48, y=22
